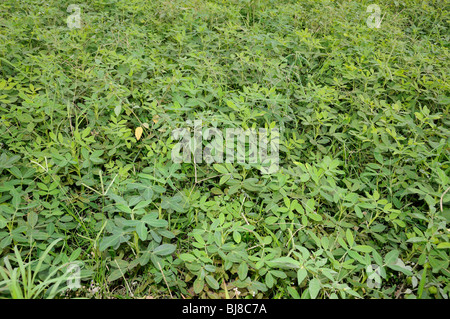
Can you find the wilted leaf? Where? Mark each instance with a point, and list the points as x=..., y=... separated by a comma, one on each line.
x=138, y=132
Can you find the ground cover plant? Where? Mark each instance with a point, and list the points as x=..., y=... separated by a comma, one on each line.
x=359, y=207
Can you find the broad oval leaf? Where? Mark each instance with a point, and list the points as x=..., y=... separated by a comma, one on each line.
x=198, y=285
x=314, y=288
x=187, y=257
x=212, y=282
x=301, y=275
x=284, y=262
x=164, y=249
x=243, y=270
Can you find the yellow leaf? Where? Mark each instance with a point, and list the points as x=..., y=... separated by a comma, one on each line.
x=155, y=118
x=138, y=132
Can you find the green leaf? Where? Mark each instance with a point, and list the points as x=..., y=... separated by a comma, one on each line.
x=422, y=282
x=271, y=220
x=376, y=256
x=296, y=206
x=153, y=222
x=341, y=241
x=315, y=217
x=3, y=222
x=416, y=240
x=310, y=204
x=279, y=274
x=363, y=248
x=391, y=257
x=401, y=269
x=324, y=242
x=287, y=202
x=141, y=230
x=304, y=178
x=32, y=218
x=440, y=246
x=113, y=241
x=243, y=270
x=284, y=262
x=75, y=254
x=356, y=256
x=115, y=274
x=188, y=257
x=220, y=168
x=353, y=293
x=293, y=292
x=118, y=109
x=166, y=233
x=301, y=275
x=142, y=204
x=269, y=280
x=198, y=285
x=237, y=237
x=212, y=282
x=376, y=195
x=250, y=184
x=314, y=287
x=349, y=236
x=358, y=212
x=210, y=268
x=267, y=240
x=124, y=208
x=224, y=179
x=42, y=186
x=164, y=249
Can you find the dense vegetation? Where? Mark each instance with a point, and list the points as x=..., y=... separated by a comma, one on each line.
x=358, y=208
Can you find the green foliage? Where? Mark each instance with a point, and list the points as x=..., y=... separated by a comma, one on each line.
x=358, y=209
x=23, y=282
